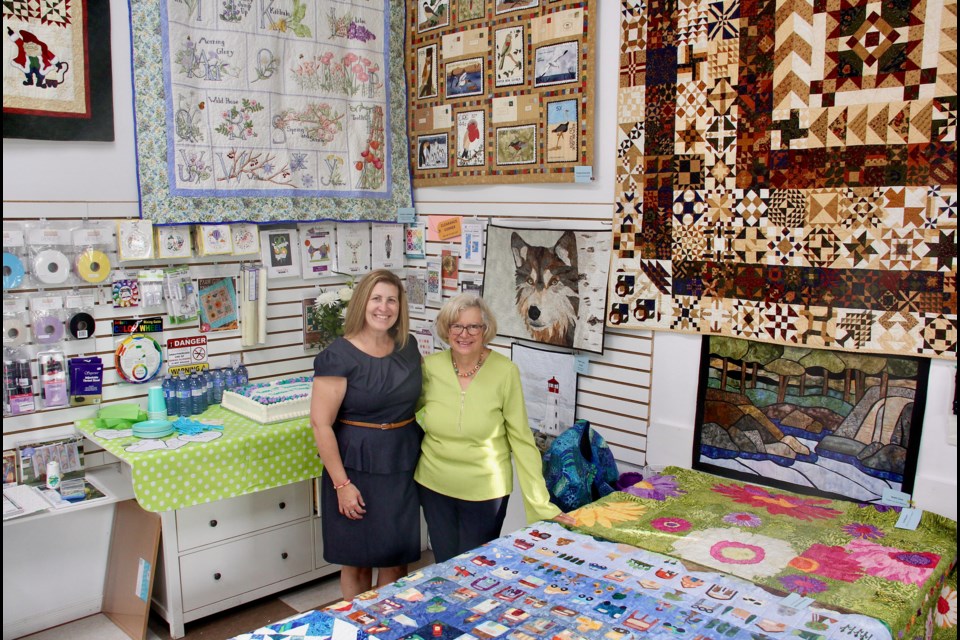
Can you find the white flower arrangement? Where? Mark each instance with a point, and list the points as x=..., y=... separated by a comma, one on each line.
x=328, y=313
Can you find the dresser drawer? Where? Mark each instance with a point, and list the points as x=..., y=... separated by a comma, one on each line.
x=208, y=523
x=234, y=568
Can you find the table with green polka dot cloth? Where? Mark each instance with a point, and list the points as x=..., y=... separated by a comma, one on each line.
x=249, y=457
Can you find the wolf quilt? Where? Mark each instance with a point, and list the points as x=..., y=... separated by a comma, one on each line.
x=787, y=172
x=547, y=285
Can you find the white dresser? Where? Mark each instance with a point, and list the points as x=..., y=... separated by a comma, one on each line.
x=219, y=555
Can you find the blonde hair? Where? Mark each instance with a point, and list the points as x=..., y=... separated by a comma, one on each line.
x=356, y=318
x=452, y=309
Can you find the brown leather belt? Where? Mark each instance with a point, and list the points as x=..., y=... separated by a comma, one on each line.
x=381, y=426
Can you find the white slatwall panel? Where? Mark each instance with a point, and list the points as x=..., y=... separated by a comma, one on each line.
x=614, y=395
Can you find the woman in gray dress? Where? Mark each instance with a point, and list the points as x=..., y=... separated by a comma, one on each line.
x=365, y=390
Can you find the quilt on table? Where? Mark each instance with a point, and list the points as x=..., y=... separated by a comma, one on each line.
x=842, y=553
x=547, y=582
x=787, y=172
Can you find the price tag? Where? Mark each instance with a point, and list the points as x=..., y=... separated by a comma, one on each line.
x=406, y=215
x=582, y=364
x=583, y=173
x=894, y=498
x=909, y=519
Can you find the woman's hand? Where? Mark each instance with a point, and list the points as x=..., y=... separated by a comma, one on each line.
x=350, y=502
x=566, y=519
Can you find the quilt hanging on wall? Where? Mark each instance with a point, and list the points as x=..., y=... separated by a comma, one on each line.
x=787, y=172
x=547, y=285
x=57, y=78
x=269, y=112
x=500, y=90
x=819, y=421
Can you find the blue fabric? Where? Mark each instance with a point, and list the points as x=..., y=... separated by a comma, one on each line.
x=579, y=467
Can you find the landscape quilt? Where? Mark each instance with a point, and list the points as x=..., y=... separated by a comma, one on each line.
x=787, y=172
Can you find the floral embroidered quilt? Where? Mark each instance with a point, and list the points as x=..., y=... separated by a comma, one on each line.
x=829, y=552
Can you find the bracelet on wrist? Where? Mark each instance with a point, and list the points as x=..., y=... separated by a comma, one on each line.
x=343, y=484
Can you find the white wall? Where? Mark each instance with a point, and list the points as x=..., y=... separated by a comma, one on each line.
x=100, y=178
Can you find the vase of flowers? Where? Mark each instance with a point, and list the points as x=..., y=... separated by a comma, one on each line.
x=328, y=313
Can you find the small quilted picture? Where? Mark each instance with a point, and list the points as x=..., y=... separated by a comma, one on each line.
x=218, y=305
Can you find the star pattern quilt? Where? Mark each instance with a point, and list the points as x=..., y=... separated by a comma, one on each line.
x=787, y=172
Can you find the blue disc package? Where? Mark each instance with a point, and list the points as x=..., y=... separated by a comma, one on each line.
x=13, y=271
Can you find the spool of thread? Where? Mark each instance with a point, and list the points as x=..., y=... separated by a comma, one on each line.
x=93, y=266
x=13, y=271
x=48, y=329
x=82, y=325
x=53, y=475
x=51, y=267
x=15, y=332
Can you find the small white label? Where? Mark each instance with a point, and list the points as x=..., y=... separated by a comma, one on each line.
x=14, y=305
x=582, y=364
x=894, y=498
x=583, y=173
x=46, y=303
x=79, y=302
x=12, y=238
x=909, y=519
x=93, y=235
x=49, y=235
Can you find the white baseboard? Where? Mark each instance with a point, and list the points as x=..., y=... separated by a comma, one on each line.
x=62, y=615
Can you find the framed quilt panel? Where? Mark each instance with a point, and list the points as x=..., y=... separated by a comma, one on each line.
x=290, y=110
x=57, y=76
x=500, y=92
x=787, y=172
x=547, y=285
x=832, y=423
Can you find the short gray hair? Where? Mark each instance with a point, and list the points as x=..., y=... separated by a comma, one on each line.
x=452, y=309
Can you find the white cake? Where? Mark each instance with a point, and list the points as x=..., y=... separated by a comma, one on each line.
x=275, y=401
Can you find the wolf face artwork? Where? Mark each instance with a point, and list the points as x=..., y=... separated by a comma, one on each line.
x=547, y=288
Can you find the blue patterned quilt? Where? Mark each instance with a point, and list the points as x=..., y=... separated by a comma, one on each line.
x=547, y=582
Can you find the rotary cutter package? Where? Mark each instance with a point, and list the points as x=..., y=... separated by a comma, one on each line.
x=92, y=245
x=50, y=247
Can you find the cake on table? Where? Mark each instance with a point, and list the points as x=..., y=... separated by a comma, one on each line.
x=274, y=401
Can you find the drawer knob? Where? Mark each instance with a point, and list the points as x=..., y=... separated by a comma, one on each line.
x=216, y=576
x=213, y=523
x=284, y=555
x=283, y=505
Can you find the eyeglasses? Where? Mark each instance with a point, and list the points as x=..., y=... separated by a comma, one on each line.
x=471, y=329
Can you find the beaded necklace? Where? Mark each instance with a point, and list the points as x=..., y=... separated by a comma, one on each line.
x=472, y=372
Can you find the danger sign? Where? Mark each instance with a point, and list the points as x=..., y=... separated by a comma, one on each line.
x=186, y=352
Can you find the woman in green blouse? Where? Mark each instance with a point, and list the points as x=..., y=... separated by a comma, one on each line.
x=473, y=417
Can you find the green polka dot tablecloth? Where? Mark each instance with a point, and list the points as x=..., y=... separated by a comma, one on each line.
x=249, y=457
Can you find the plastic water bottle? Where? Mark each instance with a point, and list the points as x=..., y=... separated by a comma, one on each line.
x=217, y=385
x=199, y=395
x=184, y=400
x=242, y=378
x=170, y=396
x=229, y=379
x=207, y=387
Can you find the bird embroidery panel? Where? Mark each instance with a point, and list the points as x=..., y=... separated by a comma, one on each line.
x=517, y=145
x=556, y=64
x=562, y=128
x=427, y=72
x=509, y=60
x=471, y=132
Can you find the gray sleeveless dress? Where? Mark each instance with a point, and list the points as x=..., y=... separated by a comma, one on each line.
x=379, y=462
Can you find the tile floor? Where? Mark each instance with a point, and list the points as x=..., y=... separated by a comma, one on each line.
x=220, y=626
